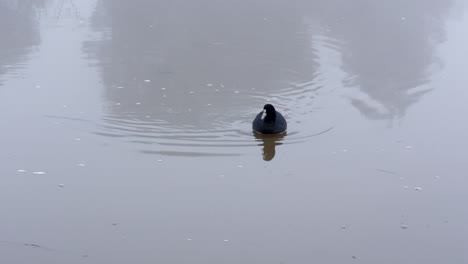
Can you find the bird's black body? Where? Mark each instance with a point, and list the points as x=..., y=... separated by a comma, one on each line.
x=272, y=123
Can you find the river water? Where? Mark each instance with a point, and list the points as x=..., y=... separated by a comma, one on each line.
x=126, y=131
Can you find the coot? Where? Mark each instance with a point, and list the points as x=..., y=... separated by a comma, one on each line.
x=269, y=121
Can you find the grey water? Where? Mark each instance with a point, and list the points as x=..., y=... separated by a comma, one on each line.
x=126, y=131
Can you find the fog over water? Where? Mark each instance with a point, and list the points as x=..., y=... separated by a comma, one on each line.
x=127, y=131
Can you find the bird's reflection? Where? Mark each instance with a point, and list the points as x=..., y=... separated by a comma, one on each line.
x=269, y=143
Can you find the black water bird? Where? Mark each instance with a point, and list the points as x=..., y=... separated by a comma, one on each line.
x=269, y=121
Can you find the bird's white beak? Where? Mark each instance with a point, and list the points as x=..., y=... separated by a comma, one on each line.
x=263, y=114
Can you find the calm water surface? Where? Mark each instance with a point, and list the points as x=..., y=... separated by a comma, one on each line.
x=126, y=131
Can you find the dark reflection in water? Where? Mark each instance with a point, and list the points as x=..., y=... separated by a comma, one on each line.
x=19, y=32
x=269, y=143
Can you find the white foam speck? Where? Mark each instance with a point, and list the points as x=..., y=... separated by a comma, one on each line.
x=147, y=81
x=408, y=147
x=240, y=166
x=21, y=170
x=226, y=240
x=117, y=103
x=81, y=165
x=39, y=172
x=119, y=87
x=77, y=139
x=189, y=239
x=159, y=160
x=38, y=86
x=138, y=103
x=236, y=92
x=209, y=84
x=163, y=88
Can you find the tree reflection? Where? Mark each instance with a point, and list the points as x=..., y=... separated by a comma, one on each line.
x=204, y=57
x=19, y=32
x=388, y=49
